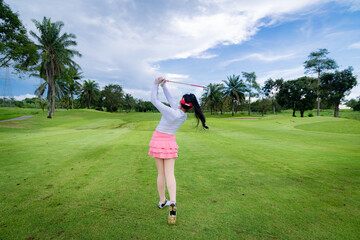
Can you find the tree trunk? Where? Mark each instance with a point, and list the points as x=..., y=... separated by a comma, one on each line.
x=318, y=106
x=49, y=101
x=72, y=100
x=53, y=99
x=318, y=95
x=302, y=112
x=249, y=109
x=336, y=110
x=51, y=77
x=232, y=108
x=293, y=112
x=273, y=104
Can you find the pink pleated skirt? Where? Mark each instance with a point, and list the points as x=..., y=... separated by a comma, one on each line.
x=163, y=145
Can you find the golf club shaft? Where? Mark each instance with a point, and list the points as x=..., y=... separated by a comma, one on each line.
x=194, y=85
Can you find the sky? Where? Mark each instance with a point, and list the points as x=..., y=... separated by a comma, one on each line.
x=130, y=43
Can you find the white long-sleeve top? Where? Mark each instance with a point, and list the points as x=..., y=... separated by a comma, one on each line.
x=172, y=117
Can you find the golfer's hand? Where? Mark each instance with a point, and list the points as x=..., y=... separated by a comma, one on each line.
x=158, y=80
x=163, y=82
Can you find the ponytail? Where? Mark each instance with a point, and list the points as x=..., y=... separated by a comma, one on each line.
x=190, y=98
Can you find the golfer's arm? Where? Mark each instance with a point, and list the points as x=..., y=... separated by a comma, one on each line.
x=170, y=99
x=165, y=110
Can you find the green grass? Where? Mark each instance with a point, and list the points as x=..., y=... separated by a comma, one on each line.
x=87, y=175
x=8, y=113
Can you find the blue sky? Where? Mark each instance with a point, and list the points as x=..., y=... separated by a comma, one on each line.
x=201, y=42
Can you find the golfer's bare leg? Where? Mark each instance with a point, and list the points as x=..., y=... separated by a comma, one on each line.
x=170, y=178
x=161, y=178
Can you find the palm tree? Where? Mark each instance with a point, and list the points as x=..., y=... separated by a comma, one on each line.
x=54, y=54
x=219, y=98
x=212, y=96
x=234, y=90
x=89, y=91
x=60, y=88
x=71, y=77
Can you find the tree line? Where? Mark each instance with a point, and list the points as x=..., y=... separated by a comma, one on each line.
x=87, y=95
x=305, y=93
x=51, y=58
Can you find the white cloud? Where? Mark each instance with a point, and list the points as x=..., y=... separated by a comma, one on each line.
x=20, y=97
x=205, y=56
x=259, y=56
x=355, y=45
x=343, y=106
x=353, y=4
x=174, y=76
x=287, y=74
x=137, y=93
x=123, y=41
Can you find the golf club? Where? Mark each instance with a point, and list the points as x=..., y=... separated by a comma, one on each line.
x=189, y=84
x=194, y=85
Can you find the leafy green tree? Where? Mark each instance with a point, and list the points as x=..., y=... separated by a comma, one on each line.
x=317, y=63
x=270, y=89
x=251, y=84
x=129, y=102
x=55, y=54
x=90, y=91
x=262, y=105
x=298, y=94
x=42, y=102
x=354, y=104
x=6, y=102
x=16, y=49
x=357, y=106
x=144, y=106
x=139, y=105
x=234, y=90
x=337, y=85
x=30, y=101
x=306, y=87
x=112, y=97
x=150, y=107
x=288, y=96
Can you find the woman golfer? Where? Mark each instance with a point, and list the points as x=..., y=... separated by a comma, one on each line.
x=163, y=146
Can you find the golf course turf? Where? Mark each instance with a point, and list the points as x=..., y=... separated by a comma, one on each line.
x=86, y=175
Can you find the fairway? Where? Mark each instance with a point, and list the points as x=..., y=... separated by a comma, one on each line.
x=86, y=175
